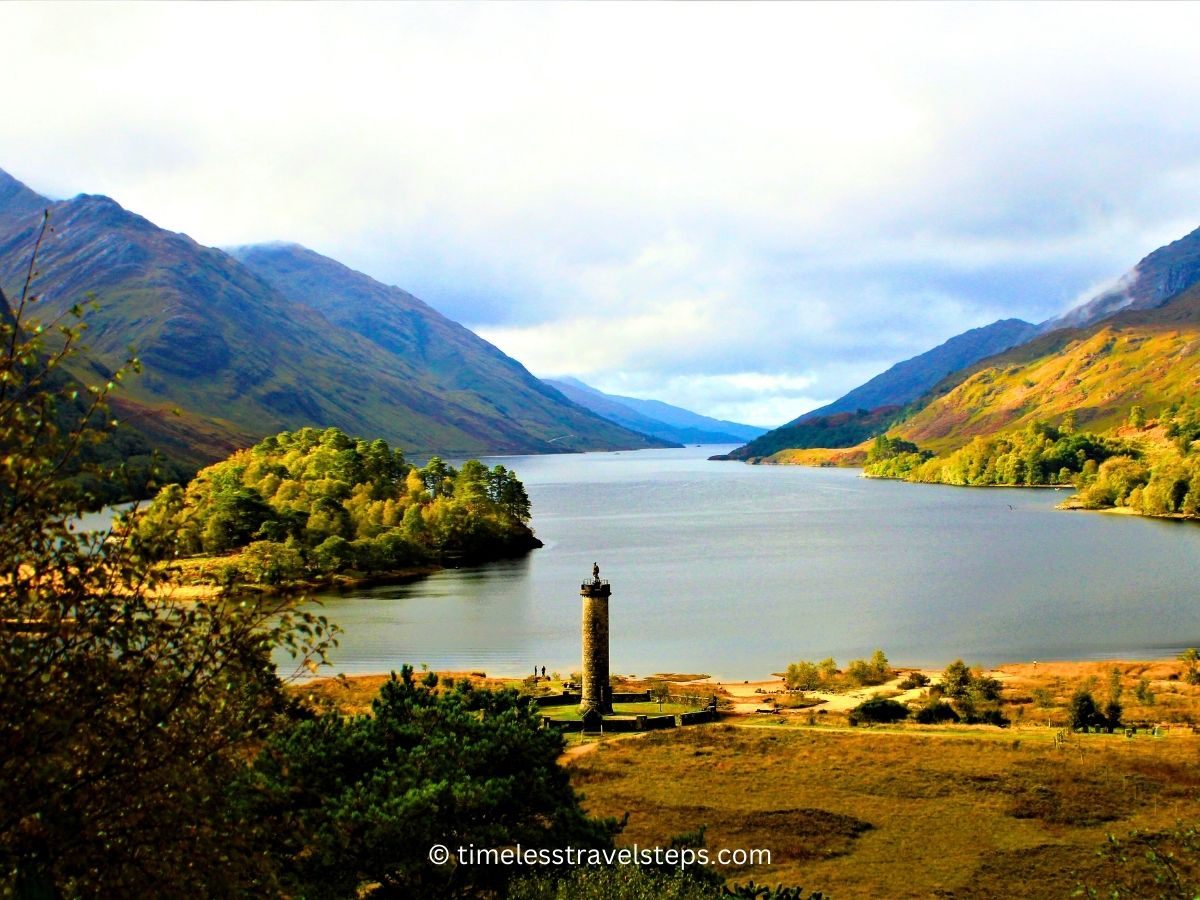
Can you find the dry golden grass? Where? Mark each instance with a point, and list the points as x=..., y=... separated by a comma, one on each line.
x=926, y=812
x=903, y=811
x=1175, y=702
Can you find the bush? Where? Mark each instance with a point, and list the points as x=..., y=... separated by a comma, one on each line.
x=990, y=716
x=879, y=710
x=935, y=713
x=914, y=680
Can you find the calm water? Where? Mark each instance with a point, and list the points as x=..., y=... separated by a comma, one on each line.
x=736, y=570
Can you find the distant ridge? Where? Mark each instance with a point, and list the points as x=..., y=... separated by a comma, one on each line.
x=908, y=380
x=653, y=417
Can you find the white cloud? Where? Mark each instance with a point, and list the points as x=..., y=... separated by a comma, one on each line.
x=642, y=191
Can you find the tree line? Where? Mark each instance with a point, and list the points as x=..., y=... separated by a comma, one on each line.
x=1039, y=454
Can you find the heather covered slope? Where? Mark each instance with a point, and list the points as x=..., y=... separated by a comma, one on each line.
x=870, y=408
x=1130, y=344
x=908, y=380
x=1148, y=357
x=239, y=359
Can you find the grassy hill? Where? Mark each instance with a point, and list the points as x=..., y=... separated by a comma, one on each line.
x=1147, y=357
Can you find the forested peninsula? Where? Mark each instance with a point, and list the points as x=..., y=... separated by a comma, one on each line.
x=316, y=505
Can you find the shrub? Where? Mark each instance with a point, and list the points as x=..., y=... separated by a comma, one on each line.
x=935, y=713
x=880, y=710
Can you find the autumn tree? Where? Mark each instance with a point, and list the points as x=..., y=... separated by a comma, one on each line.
x=125, y=714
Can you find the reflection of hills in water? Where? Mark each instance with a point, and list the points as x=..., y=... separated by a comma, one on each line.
x=736, y=570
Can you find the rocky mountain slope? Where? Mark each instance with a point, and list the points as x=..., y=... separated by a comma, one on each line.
x=230, y=357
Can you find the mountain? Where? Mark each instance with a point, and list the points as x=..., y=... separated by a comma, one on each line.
x=835, y=430
x=1148, y=357
x=1153, y=281
x=908, y=380
x=240, y=359
x=1097, y=360
x=662, y=420
x=476, y=372
x=870, y=408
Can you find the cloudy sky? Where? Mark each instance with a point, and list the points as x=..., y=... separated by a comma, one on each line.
x=742, y=209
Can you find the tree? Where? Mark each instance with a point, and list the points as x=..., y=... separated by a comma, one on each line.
x=1083, y=711
x=1112, y=708
x=361, y=800
x=125, y=713
x=802, y=676
x=660, y=693
x=956, y=679
x=1143, y=692
x=1190, y=657
x=1137, y=417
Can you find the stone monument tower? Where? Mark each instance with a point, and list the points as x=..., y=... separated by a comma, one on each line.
x=597, y=694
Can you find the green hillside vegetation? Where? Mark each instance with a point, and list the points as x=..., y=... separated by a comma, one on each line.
x=1164, y=481
x=314, y=503
x=1124, y=437
x=1146, y=358
x=1041, y=454
x=1149, y=470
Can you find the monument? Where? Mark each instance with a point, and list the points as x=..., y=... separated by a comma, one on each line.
x=596, y=694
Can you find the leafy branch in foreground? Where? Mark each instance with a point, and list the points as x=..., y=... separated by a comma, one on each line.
x=125, y=712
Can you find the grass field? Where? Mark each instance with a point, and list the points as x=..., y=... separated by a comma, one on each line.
x=912, y=812
x=904, y=810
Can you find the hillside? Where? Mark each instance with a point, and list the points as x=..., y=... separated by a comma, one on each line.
x=239, y=359
x=908, y=380
x=479, y=375
x=870, y=408
x=836, y=430
x=1148, y=357
x=1127, y=345
x=662, y=420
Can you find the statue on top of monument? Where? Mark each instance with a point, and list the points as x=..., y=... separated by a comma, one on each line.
x=596, y=572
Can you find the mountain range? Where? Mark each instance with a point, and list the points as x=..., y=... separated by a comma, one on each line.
x=237, y=345
x=1138, y=342
x=653, y=417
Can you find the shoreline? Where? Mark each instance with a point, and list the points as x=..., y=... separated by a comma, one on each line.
x=760, y=680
